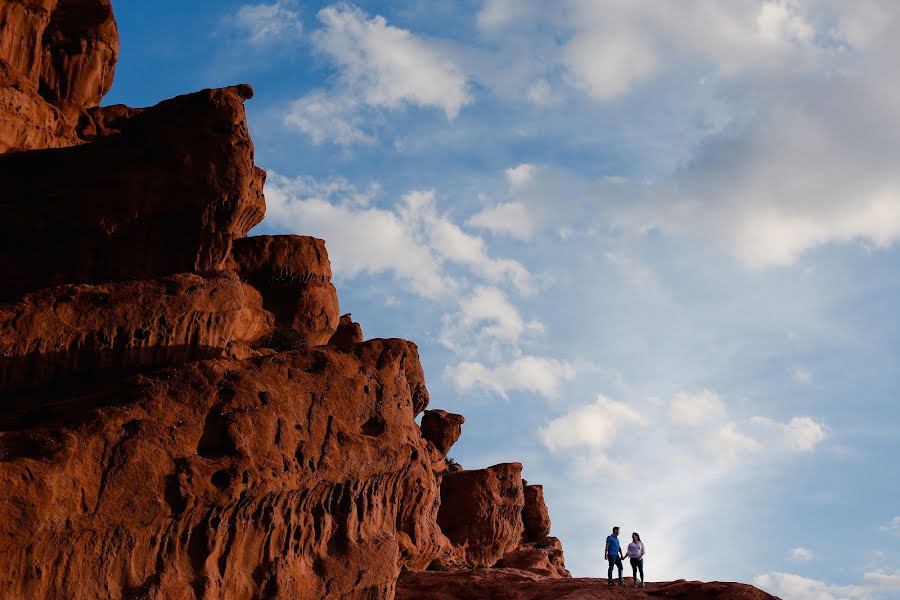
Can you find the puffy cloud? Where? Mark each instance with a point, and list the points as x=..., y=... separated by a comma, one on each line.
x=534, y=374
x=800, y=434
x=389, y=66
x=411, y=240
x=484, y=315
x=262, y=24
x=795, y=587
x=594, y=426
x=800, y=553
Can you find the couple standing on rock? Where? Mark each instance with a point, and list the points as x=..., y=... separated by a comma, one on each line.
x=613, y=553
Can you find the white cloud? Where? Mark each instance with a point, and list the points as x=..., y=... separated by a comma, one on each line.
x=880, y=584
x=892, y=526
x=592, y=425
x=331, y=118
x=533, y=374
x=389, y=66
x=795, y=587
x=484, y=315
x=412, y=240
x=800, y=553
x=800, y=434
x=264, y=24
x=694, y=410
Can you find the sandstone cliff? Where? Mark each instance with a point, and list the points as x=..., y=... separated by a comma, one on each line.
x=183, y=413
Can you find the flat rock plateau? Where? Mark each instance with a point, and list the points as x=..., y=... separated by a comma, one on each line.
x=184, y=412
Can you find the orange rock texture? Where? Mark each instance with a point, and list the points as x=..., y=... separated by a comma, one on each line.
x=183, y=413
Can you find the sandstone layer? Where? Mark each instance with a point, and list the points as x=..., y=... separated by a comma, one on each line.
x=90, y=329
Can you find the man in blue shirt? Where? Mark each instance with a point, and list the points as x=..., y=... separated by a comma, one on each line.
x=613, y=553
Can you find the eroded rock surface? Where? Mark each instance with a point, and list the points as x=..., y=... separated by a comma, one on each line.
x=514, y=584
x=293, y=274
x=481, y=512
x=442, y=429
x=299, y=475
x=88, y=329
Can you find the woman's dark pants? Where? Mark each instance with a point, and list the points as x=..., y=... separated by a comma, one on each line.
x=637, y=564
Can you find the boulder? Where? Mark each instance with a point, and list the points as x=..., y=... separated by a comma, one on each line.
x=298, y=475
x=348, y=332
x=90, y=329
x=442, y=429
x=544, y=558
x=535, y=516
x=481, y=512
x=293, y=274
x=160, y=191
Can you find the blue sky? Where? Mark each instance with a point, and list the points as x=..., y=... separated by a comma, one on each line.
x=648, y=249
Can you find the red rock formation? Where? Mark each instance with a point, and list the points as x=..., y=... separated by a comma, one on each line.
x=348, y=332
x=481, y=512
x=442, y=429
x=299, y=475
x=544, y=558
x=86, y=329
x=293, y=274
x=57, y=58
x=161, y=191
x=535, y=516
x=513, y=584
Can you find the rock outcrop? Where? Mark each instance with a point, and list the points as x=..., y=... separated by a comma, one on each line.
x=293, y=274
x=442, y=429
x=513, y=584
x=298, y=475
x=481, y=512
x=57, y=58
x=348, y=332
x=160, y=191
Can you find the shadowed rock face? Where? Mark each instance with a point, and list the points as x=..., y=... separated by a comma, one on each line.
x=299, y=475
x=160, y=191
x=513, y=584
x=535, y=515
x=481, y=512
x=89, y=329
x=293, y=274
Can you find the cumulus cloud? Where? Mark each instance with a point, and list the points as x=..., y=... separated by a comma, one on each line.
x=485, y=315
x=693, y=410
x=533, y=374
x=262, y=24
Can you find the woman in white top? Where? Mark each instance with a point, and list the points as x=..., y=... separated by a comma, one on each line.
x=636, y=554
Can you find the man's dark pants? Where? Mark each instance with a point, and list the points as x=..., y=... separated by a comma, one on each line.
x=615, y=561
